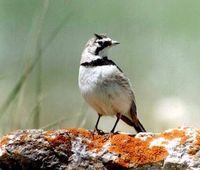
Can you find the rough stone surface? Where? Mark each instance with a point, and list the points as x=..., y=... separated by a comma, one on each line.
x=82, y=149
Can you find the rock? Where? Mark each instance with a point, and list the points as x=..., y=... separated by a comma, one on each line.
x=83, y=149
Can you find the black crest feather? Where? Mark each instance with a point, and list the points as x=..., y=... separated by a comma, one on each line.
x=98, y=36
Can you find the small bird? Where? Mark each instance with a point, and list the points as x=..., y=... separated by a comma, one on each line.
x=104, y=86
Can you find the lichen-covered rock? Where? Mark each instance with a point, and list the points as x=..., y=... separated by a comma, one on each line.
x=83, y=149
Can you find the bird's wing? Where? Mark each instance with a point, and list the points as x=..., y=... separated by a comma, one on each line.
x=124, y=82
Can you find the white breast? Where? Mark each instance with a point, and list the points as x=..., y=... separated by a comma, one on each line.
x=106, y=98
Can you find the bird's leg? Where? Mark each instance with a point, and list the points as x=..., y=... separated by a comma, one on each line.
x=118, y=117
x=96, y=126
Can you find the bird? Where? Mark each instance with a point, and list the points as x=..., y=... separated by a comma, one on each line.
x=104, y=86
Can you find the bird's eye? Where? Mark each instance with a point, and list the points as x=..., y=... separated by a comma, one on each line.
x=107, y=43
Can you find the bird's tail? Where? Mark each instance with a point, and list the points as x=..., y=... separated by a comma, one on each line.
x=136, y=123
x=139, y=127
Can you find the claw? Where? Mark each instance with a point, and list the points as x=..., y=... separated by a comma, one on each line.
x=115, y=133
x=100, y=132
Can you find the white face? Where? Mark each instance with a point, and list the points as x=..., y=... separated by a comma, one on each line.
x=105, y=43
x=100, y=45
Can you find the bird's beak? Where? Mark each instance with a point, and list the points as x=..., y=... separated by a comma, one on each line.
x=114, y=43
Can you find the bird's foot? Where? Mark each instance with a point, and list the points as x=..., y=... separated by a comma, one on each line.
x=114, y=133
x=100, y=132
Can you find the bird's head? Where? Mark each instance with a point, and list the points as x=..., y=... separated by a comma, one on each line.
x=99, y=45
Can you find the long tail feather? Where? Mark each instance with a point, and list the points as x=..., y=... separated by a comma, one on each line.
x=137, y=125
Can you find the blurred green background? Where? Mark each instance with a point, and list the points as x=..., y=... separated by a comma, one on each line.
x=40, y=47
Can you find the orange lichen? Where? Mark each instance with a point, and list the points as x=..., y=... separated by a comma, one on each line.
x=56, y=139
x=59, y=139
x=135, y=150
x=80, y=132
x=49, y=133
x=197, y=142
x=196, y=145
x=132, y=150
x=175, y=134
x=4, y=140
x=192, y=151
